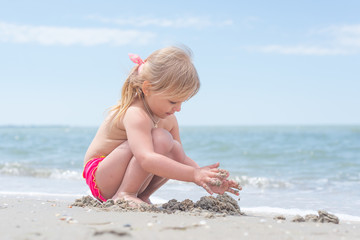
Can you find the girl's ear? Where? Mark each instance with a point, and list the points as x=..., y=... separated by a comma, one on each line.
x=146, y=87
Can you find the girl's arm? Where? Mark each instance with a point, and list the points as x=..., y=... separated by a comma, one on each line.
x=138, y=128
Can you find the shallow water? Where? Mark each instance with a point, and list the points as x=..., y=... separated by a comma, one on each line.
x=279, y=167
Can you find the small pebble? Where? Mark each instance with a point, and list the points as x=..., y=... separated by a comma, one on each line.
x=202, y=222
x=298, y=218
x=72, y=221
x=280, y=217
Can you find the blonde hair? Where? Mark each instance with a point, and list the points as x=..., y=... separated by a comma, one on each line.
x=169, y=70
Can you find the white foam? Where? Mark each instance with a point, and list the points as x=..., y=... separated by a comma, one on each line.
x=262, y=182
x=40, y=194
x=346, y=217
x=66, y=174
x=157, y=200
x=21, y=170
x=272, y=210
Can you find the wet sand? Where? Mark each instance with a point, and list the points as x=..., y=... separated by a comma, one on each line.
x=211, y=218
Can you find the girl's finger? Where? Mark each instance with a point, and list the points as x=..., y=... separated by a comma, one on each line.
x=215, y=165
x=235, y=192
x=214, y=170
x=206, y=187
x=212, y=174
x=234, y=184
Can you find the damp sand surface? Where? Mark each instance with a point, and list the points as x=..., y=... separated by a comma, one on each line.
x=208, y=218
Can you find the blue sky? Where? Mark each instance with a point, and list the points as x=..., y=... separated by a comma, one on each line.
x=260, y=62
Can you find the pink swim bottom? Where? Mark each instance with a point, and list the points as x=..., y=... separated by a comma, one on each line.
x=89, y=175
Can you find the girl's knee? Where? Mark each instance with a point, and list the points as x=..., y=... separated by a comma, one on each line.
x=178, y=152
x=162, y=140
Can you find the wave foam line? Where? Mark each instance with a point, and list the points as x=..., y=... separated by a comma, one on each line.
x=40, y=194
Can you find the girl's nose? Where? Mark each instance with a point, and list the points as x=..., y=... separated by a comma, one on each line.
x=178, y=107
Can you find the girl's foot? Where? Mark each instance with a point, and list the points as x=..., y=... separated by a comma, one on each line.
x=146, y=200
x=132, y=199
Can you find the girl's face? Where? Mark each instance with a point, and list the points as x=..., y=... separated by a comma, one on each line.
x=163, y=105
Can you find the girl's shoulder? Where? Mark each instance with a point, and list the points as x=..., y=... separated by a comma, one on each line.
x=135, y=111
x=136, y=116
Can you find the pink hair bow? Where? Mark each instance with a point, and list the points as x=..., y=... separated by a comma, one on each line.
x=136, y=59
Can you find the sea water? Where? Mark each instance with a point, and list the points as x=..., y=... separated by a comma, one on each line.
x=282, y=169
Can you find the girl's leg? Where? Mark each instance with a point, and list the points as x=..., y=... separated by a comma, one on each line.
x=176, y=153
x=140, y=188
x=134, y=179
x=111, y=170
x=155, y=183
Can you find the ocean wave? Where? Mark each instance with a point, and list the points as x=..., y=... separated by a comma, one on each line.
x=262, y=182
x=245, y=181
x=19, y=169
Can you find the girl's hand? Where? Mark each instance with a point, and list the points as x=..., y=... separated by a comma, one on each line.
x=230, y=186
x=205, y=175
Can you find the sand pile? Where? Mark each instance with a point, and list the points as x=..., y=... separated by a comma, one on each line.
x=221, y=204
x=323, y=217
x=208, y=206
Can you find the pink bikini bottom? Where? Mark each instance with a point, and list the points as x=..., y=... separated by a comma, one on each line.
x=89, y=175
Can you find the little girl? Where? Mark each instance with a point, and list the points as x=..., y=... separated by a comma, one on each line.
x=137, y=148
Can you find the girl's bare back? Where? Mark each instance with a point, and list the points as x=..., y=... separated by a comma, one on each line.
x=108, y=137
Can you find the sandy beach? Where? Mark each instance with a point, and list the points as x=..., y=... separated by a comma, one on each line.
x=24, y=218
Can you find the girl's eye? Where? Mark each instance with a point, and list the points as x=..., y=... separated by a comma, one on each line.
x=172, y=102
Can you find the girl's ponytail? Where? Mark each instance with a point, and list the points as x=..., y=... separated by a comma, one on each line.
x=128, y=93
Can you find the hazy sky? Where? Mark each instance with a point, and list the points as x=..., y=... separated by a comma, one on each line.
x=260, y=62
